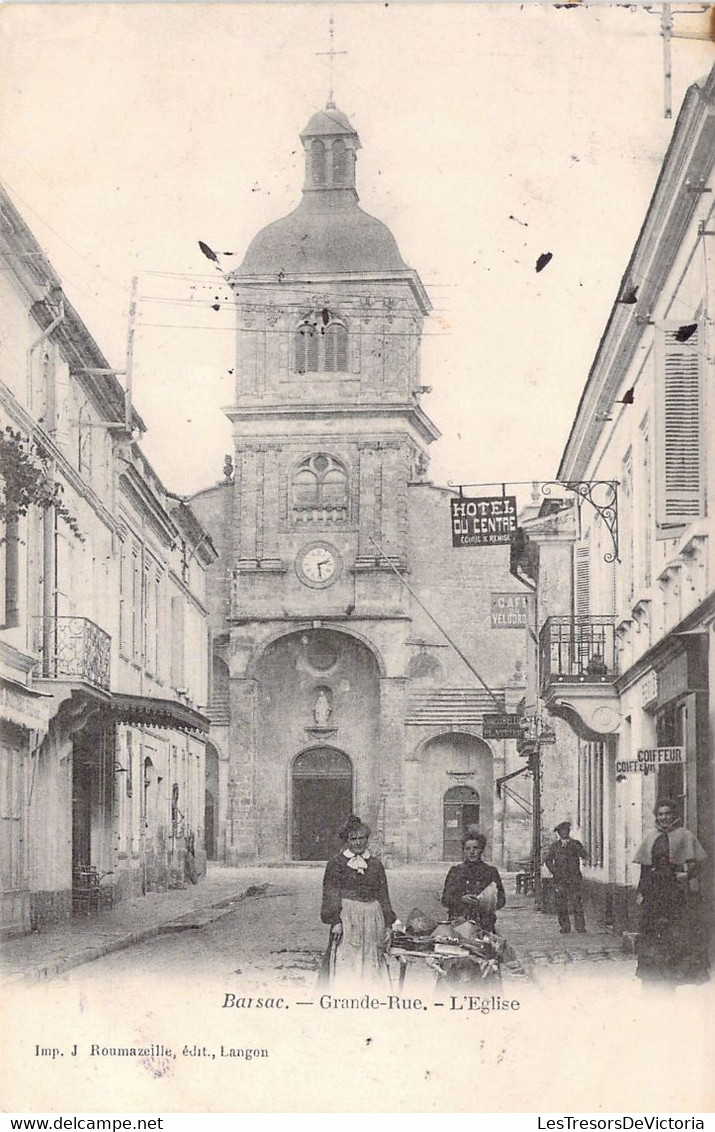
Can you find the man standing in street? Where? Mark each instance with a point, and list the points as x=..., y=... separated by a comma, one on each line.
x=563, y=860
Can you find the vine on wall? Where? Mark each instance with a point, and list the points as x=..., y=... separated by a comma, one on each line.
x=26, y=482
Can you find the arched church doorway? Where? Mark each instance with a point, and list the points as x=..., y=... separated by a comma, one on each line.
x=322, y=800
x=460, y=810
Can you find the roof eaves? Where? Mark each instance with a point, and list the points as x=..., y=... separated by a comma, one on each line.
x=582, y=439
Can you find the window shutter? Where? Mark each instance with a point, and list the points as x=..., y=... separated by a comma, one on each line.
x=582, y=580
x=680, y=462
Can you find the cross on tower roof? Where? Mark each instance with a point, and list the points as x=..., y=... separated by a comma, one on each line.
x=330, y=104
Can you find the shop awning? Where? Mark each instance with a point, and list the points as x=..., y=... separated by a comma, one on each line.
x=23, y=706
x=150, y=712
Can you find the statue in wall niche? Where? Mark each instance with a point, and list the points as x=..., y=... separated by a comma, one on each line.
x=322, y=710
x=421, y=466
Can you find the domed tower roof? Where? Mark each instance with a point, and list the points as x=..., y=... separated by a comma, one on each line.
x=328, y=232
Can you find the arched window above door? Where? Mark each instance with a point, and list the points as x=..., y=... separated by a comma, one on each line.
x=319, y=490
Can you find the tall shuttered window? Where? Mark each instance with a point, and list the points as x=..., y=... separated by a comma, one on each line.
x=625, y=518
x=681, y=479
x=582, y=580
x=646, y=511
x=591, y=797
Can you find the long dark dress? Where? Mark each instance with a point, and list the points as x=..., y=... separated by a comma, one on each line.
x=672, y=947
x=360, y=901
x=471, y=878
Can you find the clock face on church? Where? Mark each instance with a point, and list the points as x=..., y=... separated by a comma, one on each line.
x=318, y=564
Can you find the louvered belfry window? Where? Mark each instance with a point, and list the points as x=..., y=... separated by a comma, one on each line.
x=681, y=478
x=321, y=344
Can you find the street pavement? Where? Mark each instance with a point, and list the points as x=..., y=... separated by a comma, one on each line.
x=239, y=896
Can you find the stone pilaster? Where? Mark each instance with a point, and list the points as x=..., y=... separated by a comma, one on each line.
x=390, y=772
x=242, y=818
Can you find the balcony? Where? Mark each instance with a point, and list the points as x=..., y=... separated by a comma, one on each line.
x=578, y=668
x=578, y=650
x=74, y=649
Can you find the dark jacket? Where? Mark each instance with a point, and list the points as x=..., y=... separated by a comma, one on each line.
x=339, y=881
x=470, y=878
x=563, y=860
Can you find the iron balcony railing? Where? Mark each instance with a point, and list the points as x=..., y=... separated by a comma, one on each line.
x=578, y=650
x=74, y=648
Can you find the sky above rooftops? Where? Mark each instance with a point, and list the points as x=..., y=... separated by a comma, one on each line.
x=491, y=135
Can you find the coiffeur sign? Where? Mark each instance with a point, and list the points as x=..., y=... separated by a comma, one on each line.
x=648, y=759
x=487, y=521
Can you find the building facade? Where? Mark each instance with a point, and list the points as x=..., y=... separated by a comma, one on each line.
x=625, y=581
x=103, y=636
x=333, y=688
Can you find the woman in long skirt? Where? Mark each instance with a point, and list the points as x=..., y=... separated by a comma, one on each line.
x=672, y=946
x=356, y=905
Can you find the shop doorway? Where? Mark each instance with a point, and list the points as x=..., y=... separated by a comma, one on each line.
x=81, y=809
x=209, y=827
x=322, y=801
x=461, y=809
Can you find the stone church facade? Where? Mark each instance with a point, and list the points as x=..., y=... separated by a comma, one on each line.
x=333, y=690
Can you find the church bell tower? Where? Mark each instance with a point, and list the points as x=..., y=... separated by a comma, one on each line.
x=328, y=433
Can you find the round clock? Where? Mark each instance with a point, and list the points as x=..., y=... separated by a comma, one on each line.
x=318, y=564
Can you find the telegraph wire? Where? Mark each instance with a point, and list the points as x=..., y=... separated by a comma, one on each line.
x=66, y=242
x=261, y=330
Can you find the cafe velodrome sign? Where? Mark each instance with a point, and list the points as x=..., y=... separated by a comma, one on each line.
x=485, y=521
x=649, y=759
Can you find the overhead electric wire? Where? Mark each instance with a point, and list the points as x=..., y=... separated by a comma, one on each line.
x=263, y=330
x=80, y=255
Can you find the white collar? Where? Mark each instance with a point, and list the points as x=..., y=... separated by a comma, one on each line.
x=357, y=861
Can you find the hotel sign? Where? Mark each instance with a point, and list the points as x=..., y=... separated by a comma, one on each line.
x=486, y=521
x=649, y=759
x=509, y=611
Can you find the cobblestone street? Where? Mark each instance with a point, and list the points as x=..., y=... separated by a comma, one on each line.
x=266, y=922
x=156, y=974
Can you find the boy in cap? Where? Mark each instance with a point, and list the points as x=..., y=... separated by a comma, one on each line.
x=563, y=860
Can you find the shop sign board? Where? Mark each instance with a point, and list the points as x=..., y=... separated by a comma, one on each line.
x=502, y=725
x=27, y=711
x=649, y=689
x=673, y=679
x=509, y=611
x=649, y=759
x=489, y=520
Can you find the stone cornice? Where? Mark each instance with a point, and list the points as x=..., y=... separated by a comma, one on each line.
x=663, y=650
x=140, y=496
x=317, y=411
x=371, y=278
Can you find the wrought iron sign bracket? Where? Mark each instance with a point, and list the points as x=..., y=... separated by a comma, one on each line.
x=601, y=494
x=603, y=497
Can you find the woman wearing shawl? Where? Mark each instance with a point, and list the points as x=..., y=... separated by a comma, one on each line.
x=356, y=905
x=671, y=945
